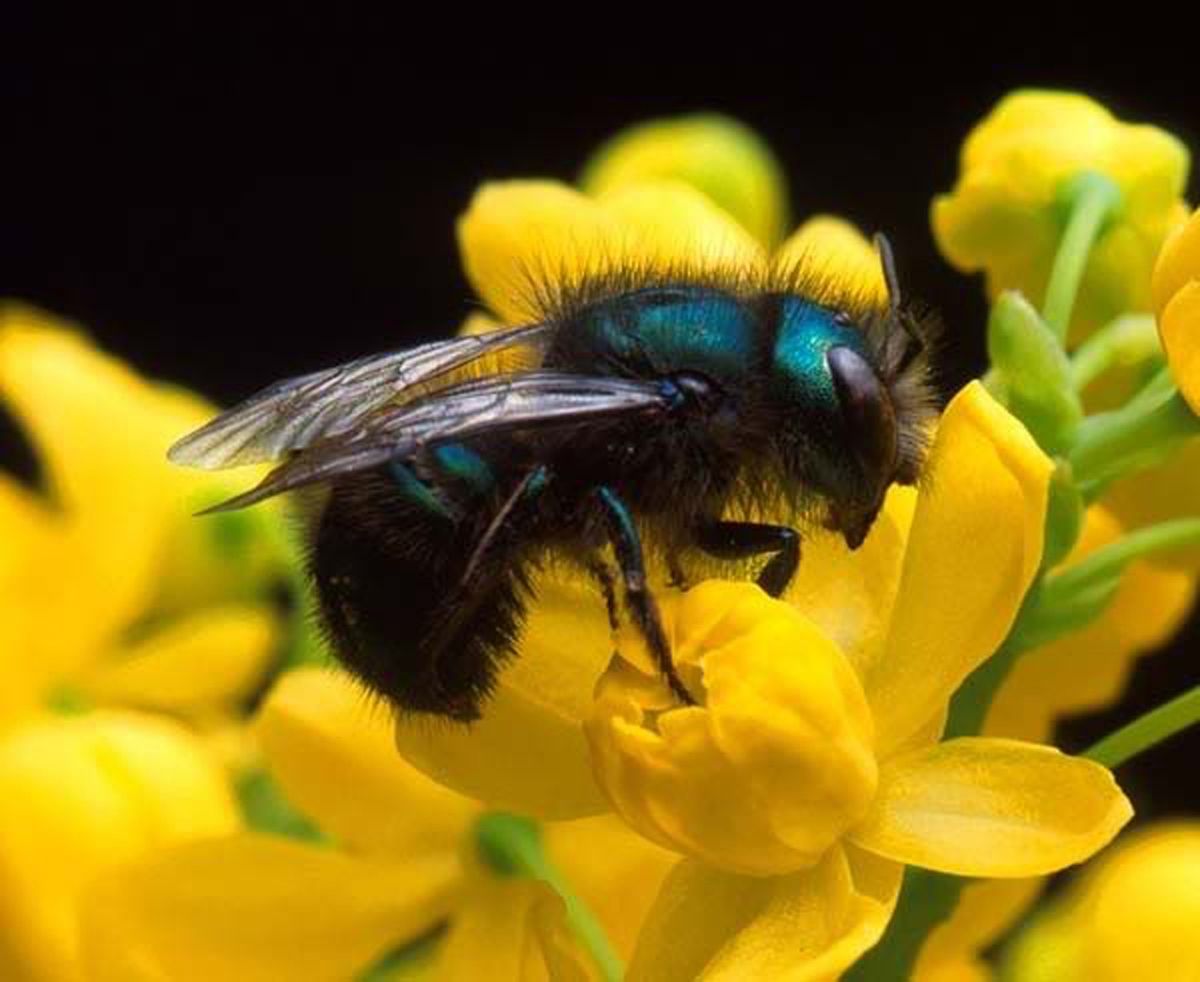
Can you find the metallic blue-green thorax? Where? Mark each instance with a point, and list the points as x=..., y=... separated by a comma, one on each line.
x=800, y=375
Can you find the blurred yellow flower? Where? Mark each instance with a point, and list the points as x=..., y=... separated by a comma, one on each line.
x=718, y=156
x=401, y=864
x=82, y=795
x=113, y=593
x=1004, y=216
x=1176, y=287
x=1130, y=915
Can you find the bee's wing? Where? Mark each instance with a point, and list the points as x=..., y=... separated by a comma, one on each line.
x=538, y=400
x=298, y=412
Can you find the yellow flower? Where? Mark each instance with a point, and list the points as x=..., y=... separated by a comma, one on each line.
x=1131, y=915
x=114, y=594
x=81, y=795
x=400, y=864
x=1003, y=216
x=768, y=775
x=716, y=155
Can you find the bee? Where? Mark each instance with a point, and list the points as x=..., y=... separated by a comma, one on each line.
x=632, y=414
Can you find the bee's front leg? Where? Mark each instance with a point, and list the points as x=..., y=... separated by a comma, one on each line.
x=741, y=540
x=628, y=546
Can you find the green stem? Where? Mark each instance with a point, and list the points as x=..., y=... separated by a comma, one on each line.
x=1110, y=561
x=1091, y=198
x=1147, y=731
x=1130, y=339
x=1110, y=445
x=512, y=845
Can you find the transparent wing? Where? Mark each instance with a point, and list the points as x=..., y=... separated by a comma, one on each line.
x=538, y=400
x=298, y=412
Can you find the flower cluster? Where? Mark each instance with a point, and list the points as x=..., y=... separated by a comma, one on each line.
x=889, y=718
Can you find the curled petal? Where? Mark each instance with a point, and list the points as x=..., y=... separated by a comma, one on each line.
x=981, y=806
x=771, y=768
x=253, y=907
x=528, y=753
x=718, y=926
x=321, y=734
x=987, y=487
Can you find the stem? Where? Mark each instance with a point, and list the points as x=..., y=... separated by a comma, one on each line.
x=512, y=845
x=1092, y=198
x=1111, y=444
x=1147, y=731
x=1127, y=340
x=1110, y=560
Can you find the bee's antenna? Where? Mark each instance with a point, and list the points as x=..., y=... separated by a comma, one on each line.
x=887, y=259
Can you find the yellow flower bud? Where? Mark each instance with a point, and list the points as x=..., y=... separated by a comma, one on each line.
x=1132, y=916
x=1004, y=216
x=774, y=765
x=718, y=156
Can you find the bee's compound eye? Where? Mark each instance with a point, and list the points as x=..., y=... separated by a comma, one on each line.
x=867, y=411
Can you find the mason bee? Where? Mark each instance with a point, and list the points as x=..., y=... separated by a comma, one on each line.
x=634, y=413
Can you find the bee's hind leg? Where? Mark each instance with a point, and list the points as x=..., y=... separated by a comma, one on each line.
x=628, y=547
x=741, y=540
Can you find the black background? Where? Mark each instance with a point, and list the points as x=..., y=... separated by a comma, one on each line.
x=226, y=201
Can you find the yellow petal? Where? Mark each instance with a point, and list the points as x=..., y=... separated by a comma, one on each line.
x=101, y=433
x=834, y=248
x=615, y=871
x=1179, y=328
x=329, y=745
x=849, y=594
x=1178, y=263
x=254, y=907
x=986, y=909
x=669, y=227
x=987, y=486
x=719, y=927
x=718, y=156
x=82, y=795
x=523, y=239
x=528, y=754
x=509, y=929
x=981, y=806
x=206, y=661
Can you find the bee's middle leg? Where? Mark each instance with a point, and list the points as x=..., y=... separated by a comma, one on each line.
x=741, y=540
x=628, y=547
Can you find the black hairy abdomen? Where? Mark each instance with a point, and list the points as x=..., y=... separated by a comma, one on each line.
x=393, y=600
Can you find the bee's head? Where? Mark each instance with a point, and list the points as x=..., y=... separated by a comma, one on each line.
x=856, y=399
